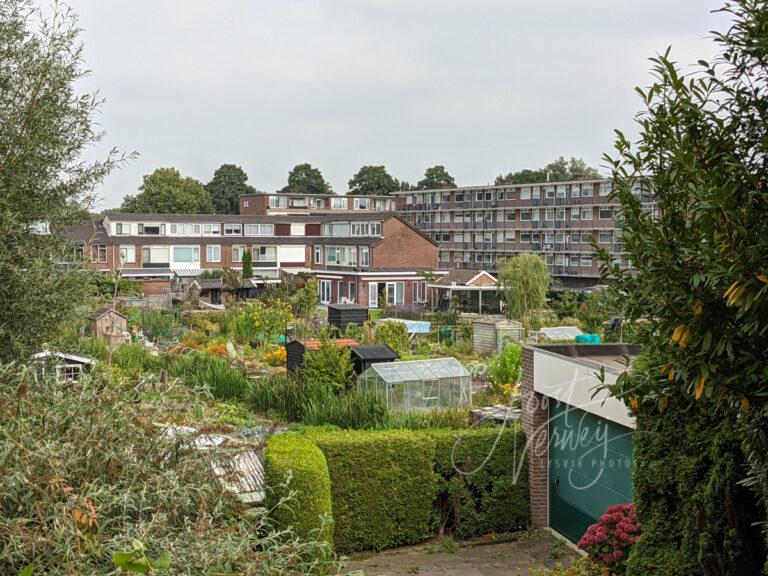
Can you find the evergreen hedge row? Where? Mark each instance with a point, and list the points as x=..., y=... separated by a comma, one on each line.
x=396, y=487
x=289, y=455
x=698, y=518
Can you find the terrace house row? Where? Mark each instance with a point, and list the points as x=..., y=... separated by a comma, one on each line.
x=365, y=257
x=477, y=227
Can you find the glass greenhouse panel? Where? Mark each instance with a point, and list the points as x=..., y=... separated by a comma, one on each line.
x=419, y=384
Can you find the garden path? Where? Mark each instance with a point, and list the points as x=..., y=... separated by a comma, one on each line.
x=522, y=556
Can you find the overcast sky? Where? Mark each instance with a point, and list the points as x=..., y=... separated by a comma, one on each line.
x=479, y=86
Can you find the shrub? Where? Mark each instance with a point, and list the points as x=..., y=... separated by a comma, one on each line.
x=135, y=359
x=482, y=481
x=309, y=514
x=394, y=335
x=579, y=567
x=504, y=366
x=276, y=357
x=454, y=418
x=329, y=367
x=264, y=321
x=87, y=474
x=608, y=542
x=382, y=487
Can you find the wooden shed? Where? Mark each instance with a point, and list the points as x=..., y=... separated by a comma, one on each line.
x=295, y=350
x=365, y=355
x=110, y=325
x=339, y=315
x=492, y=333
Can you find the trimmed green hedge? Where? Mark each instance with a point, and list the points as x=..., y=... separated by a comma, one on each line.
x=382, y=487
x=309, y=478
x=482, y=481
x=697, y=516
x=396, y=487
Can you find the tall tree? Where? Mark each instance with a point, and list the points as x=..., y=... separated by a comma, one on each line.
x=45, y=127
x=523, y=283
x=247, y=265
x=700, y=277
x=229, y=182
x=436, y=177
x=403, y=186
x=306, y=179
x=372, y=180
x=560, y=170
x=166, y=191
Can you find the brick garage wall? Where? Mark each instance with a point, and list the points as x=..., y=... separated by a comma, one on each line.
x=536, y=427
x=154, y=287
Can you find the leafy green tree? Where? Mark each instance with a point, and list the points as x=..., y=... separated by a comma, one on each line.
x=700, y=277
x=46, y=124
x=560, y=170
x=329, y=367
x=166, y=191
x=436, y=177
x=372, y=180
x=523, y=282
x=229, y=182
x=247, y=265
x=306, y=179
x=403, y=186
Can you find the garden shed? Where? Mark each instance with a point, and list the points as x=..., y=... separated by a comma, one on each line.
x=491, y=333
x=339, y=315
x=110, y=325
x=419, y=384
x=295, y=350
x=366, y=355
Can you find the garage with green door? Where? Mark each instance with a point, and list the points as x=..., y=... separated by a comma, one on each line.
x=579, y=437
x=590, y=468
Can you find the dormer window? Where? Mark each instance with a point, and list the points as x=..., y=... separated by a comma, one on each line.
x=233, y=229
x=122, y=229
x=362, y=203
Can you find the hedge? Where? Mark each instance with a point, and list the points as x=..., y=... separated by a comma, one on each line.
x=290, y=453
x=482, y=481
x=382, y=487
x=697, y=516
x=390, y=488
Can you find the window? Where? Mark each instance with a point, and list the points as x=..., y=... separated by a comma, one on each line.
x=298, y=202
x=237, y=253
x=549, y=214
x=213, y=253
x=341, y=203
x=560, y=214
x=122, y=229
x=525, y=194
x=458, y=256
x=146, y=254
x=550, y=191
x=341, y=255
x=478, y=196
x=478, y=216
x=509, y=236
x=318, y=255
x=605, y=188
x=459, y=196
x=586, y=260
x=586, y=213
x=605, y=213
x=444, y=256
x=525, y=237
x=525, y=215
x=446, y=197
x=364, y=253
x=509, y=215
x=264, y=254
x=587, y=190
x=560, y=191
x=338, y=229
x=395, y=293
x=575, y=213
x=574, y=260
x=127, y=254
x=211, y=229
x=536, y=193
x=445, y=216
x=259, y=230
x=575, y=190
x=68, y=372
x=186, y=254
x=233, y=229
x=605, y=237
x=99, y=252
x=79, y=250
x=559, y=238
x=151, y=229
x=489, y=195
x=362, y=203
x=325, y=291
x=352, y=291
x=360, y=228
x=278, y=202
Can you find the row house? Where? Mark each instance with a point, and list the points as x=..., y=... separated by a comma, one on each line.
x=370, y=258
x=284, y=203
x=478, y=227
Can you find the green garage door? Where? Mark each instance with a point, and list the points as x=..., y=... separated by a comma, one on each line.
x=589, y=468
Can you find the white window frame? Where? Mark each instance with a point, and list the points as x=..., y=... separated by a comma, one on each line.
x=130, y=254
x=210, y=253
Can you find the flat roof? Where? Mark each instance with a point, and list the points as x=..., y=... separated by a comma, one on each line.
x=501, y=186
x=612, y=357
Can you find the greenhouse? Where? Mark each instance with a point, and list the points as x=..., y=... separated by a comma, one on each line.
x=419, y=384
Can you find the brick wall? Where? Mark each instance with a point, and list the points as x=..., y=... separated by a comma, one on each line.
x=536, y=427
x=403, y=247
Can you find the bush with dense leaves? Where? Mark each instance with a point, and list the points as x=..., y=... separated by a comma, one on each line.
x=85, y=472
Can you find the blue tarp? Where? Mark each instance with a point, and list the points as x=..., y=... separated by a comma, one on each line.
x=412, y=326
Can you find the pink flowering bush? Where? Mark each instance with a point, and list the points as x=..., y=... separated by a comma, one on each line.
x=608, y=542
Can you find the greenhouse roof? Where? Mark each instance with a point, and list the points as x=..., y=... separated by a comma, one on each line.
x=434, y=369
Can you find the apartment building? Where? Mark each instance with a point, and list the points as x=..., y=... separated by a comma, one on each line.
x=283, y=203
x=359, y=256
x=477, y=227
